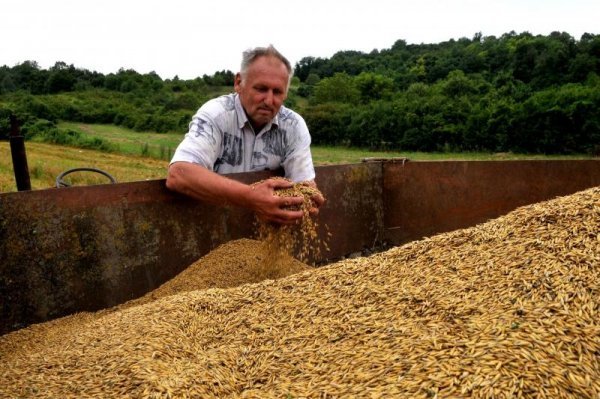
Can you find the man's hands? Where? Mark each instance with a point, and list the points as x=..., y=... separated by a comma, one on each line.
x=200, y=183
x=279, y=209
x=270, y=207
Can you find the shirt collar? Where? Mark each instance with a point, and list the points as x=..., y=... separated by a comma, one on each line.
x=242, y=118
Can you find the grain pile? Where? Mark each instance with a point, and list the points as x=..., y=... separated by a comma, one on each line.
x=234, y=263
x=509, y=308
x=230, y=265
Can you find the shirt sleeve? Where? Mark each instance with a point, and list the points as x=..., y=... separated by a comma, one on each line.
x=200, y=144
x=298, y=164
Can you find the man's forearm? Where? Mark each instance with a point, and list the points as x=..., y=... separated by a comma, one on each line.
x=200, y=183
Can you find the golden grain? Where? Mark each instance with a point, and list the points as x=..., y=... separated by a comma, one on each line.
x=506, y=309
x=300, y=240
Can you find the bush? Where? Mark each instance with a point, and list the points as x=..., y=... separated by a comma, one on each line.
x=37, y=127
x=46, y=132
x=328, y=123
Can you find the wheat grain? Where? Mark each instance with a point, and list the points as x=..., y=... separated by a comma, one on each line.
x=505, y=309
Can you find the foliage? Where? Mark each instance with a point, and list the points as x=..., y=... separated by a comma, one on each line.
x=338, y=88
x=517, y=92
x=328, y=122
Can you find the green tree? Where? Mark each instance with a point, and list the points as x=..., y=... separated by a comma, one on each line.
x=7, y=84
x=373, y=86
x=62, y=78
x=307, y=87
x=28, y=76
x=338, y=88
x=327, y=123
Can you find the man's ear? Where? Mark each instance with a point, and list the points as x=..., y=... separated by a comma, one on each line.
x=237, y=82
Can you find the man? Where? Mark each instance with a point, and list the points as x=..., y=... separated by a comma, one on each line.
x=249, y=130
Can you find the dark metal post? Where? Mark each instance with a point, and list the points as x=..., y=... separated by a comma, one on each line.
x=19, y=157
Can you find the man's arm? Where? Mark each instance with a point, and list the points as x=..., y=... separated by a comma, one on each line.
x=202, y=184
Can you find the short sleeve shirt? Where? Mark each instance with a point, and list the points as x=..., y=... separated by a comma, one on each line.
x=221, y=139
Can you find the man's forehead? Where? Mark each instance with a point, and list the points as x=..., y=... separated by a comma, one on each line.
x=268, y=61
x=272, y=73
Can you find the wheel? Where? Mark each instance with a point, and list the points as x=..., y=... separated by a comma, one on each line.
x=61, y=183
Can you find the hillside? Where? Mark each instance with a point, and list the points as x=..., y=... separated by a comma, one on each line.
x=517, y=92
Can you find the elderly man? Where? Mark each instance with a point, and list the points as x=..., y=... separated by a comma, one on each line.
x=249, y=130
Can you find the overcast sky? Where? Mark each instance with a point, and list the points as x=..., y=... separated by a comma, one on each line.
x=190, y=38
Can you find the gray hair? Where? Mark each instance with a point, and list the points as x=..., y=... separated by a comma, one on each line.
x=250, y=55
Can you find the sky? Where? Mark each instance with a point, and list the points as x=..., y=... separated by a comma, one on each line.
x=190, y=38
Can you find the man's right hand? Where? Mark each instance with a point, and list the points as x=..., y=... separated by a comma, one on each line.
x=272, y=208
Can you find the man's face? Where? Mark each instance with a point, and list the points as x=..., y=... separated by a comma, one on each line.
x=263, y=90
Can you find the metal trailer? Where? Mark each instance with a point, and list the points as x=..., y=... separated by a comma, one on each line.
x=75, y=249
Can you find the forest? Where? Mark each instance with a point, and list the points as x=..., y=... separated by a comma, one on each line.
x=519, y=93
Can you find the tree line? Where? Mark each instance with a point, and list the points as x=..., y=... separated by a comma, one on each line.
x=517, y=92
x=143, y=102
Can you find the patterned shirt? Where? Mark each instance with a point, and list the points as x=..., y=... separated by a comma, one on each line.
x=221, y=139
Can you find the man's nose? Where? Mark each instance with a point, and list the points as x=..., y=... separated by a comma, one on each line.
x=269, y=98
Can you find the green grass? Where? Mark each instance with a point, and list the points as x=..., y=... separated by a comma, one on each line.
x=47, y=161
x=162, y=146
x=129, y=142
x=335, y=155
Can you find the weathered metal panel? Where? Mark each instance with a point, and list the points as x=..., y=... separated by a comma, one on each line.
x=85, y=248
x=353, y=214
x=426, y=198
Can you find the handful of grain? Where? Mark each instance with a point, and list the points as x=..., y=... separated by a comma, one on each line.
x=301, y=239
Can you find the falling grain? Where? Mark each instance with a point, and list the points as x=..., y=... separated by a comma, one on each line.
x=300, y=240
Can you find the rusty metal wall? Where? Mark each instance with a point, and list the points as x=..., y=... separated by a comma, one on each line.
x=426, y=198
x=85, y=248
x=353, y=215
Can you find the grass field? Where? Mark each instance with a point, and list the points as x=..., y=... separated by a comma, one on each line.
x=132, y=142
x=337, y=155
x=47, y=161
x=134, y=163
x=129, y=142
